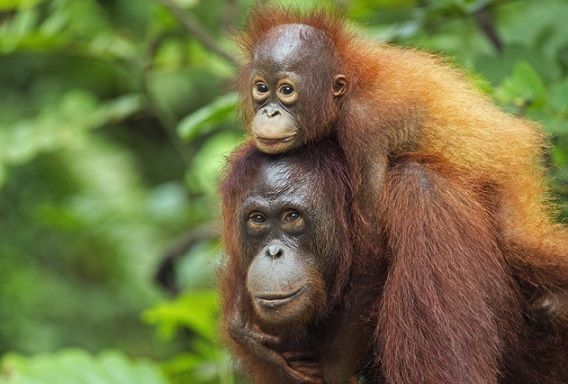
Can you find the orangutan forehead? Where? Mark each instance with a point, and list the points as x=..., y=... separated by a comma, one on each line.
x=289, y=43
x=284, y=176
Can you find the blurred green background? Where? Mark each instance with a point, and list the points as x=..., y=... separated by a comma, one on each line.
x=115, y=117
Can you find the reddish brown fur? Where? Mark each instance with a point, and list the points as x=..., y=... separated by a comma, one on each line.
x=327, y=164
x=451, y=310
x=448, y=307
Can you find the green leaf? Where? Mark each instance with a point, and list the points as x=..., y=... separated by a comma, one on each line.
x=203, y=176
x=197, y=268
x=196, y=310
x=497, y=68
x=205, y=119
x=540, y=25
x=117, y=109
x=524, y=87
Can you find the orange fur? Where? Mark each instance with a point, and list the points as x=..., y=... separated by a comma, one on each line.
x=404, y=100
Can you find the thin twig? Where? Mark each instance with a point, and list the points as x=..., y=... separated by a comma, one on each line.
x=485, y=23
x=194, y=27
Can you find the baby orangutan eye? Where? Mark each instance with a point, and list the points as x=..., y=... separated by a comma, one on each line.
x=287, y=90
x=260, y=91
x=261, y=88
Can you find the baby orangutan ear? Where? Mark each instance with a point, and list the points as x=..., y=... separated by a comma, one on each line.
x=339, y=85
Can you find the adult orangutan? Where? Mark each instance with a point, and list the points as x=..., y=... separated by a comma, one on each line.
x=307, y=77
x=312, y=293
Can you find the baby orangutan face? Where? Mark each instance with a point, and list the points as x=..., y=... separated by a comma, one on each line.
x=292, y=83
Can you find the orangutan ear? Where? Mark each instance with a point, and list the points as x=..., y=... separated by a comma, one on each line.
x=339, y=85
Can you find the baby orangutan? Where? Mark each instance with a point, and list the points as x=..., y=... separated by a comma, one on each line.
x=308, y=77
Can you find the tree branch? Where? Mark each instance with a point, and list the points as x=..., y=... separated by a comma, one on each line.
x=484, y=22
x=165, y=275
x=194, y=27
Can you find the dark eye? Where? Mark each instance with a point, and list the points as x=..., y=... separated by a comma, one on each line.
x=292, y=216
x=257, y=218
x=287, y=89
x=261, y=88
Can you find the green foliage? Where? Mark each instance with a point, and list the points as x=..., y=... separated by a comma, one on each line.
x=196, y=311
x=524, y=87
x=114, y=127
x=78, y=367
x=61, y=125
x=209, y=117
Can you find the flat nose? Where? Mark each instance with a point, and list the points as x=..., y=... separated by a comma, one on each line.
x=274, y=251
x=271, y=111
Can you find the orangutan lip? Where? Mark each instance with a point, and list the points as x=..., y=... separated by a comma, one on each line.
x=272, y=300
x=267, y=141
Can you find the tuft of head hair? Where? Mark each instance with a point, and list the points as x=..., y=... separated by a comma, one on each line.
x=263, y=19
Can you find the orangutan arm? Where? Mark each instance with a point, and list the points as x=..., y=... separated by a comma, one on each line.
x=444, y=314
